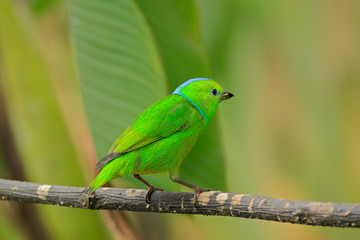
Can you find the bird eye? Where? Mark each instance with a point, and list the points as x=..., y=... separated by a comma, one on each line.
x=214, y=92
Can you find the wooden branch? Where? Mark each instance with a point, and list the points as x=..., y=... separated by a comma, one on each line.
x=209, y=203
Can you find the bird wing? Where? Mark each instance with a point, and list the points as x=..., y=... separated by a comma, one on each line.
x=166, y=117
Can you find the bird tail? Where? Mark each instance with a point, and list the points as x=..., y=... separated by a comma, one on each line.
x=98, y=182
x=105, y=175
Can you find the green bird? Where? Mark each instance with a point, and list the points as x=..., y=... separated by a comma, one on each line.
x=162, y=135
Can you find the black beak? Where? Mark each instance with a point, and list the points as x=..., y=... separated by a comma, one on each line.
x=226, y=95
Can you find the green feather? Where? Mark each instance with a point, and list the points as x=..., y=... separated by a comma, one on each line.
x=160, y=137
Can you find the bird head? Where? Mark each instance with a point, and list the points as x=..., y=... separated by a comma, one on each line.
x=204, y=93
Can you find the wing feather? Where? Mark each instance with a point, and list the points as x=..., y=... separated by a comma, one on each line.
x=162, y=119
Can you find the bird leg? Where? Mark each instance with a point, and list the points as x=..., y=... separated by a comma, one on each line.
x=197, y=190
x=150, y=187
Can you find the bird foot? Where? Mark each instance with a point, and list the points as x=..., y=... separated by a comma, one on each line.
x=197, y=192
x=150, y=190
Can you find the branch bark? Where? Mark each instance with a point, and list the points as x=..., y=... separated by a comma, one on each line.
x=209, y=203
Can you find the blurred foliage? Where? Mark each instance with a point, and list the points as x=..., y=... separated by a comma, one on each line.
x=42, y=139
x=41, y=6
x=292, y=130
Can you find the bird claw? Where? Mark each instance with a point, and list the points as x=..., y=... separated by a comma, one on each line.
x=150, y=190
x=197, y=192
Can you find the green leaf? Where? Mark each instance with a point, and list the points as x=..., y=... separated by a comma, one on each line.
x=118, y=66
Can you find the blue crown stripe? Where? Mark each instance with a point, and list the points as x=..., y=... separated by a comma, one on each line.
x=178, y=89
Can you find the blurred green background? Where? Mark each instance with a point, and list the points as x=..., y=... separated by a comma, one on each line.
x=73, y=74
